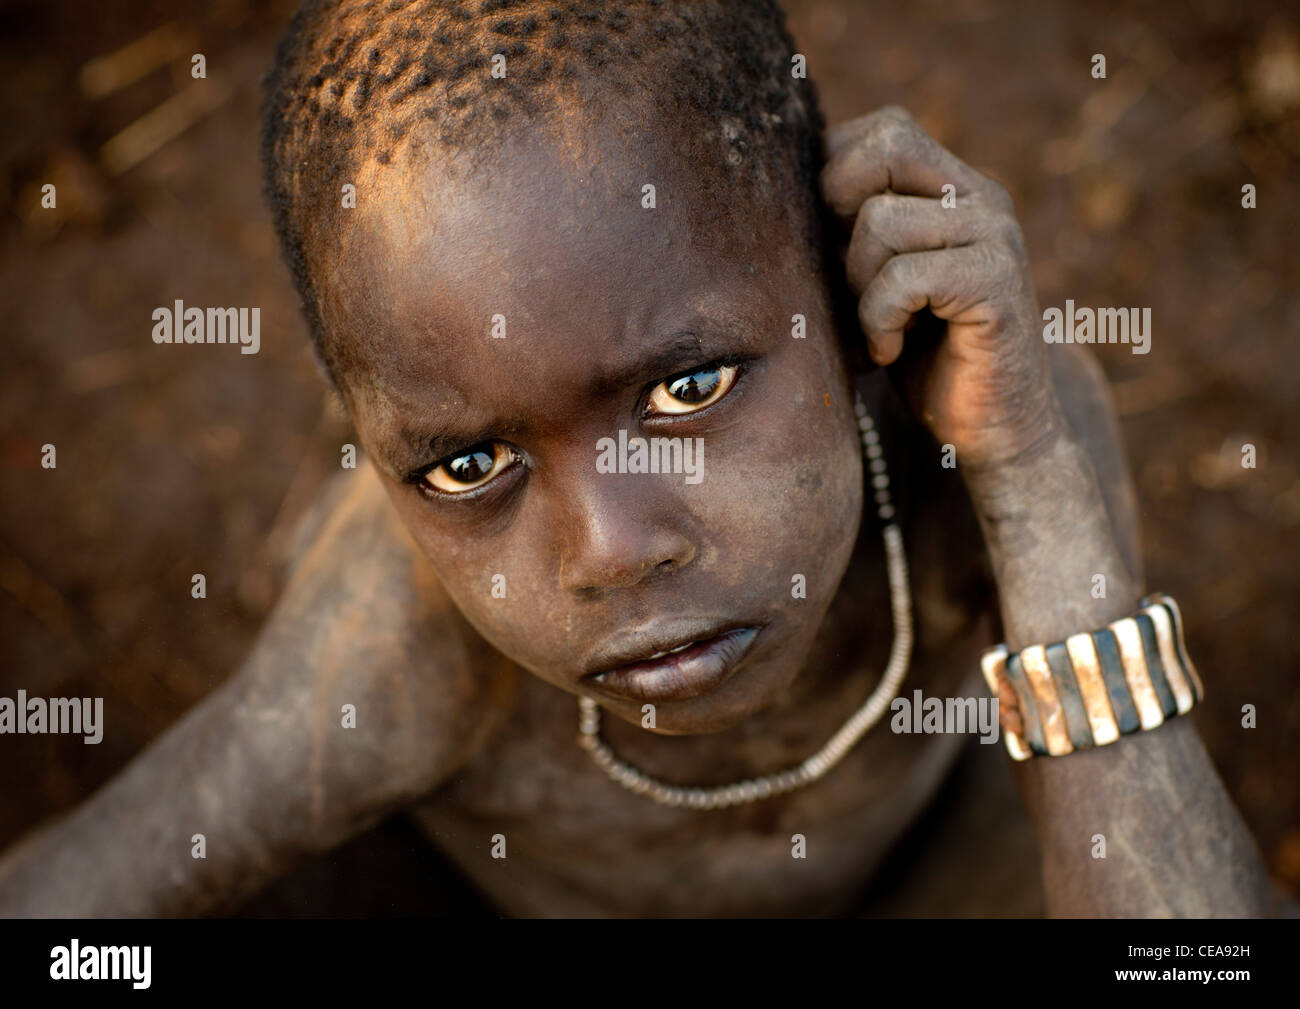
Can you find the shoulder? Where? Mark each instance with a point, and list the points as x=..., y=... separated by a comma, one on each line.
x=1090, y=409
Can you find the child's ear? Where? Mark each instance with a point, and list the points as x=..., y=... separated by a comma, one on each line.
x=844, y=308
x=833, y=241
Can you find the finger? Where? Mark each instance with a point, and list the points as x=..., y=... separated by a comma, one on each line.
x=887, y=225
x=946, y=281
x=842, y=134
x=892, y=153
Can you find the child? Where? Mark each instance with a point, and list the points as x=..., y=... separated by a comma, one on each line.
x=535, y=240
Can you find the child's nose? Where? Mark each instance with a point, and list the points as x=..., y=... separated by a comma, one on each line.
x=617, y=540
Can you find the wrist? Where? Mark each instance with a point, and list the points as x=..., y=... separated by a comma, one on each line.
x=1054, y=551
x=1048, y=492
x=1004, y=485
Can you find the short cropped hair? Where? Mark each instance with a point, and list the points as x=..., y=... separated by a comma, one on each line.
x=356, y=80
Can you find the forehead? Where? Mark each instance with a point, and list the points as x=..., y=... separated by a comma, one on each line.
x=556, y=240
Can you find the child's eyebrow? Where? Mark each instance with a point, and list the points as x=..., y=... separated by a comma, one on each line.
x=685, y=348
x=680, y=350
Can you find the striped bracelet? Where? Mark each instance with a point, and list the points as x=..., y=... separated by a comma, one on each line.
x=1093, y=688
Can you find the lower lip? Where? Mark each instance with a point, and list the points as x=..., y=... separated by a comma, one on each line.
x=682, y=675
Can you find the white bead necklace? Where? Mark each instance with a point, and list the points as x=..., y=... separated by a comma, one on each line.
x=846, y=738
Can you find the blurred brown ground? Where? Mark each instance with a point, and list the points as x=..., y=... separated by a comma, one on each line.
x=172, y=462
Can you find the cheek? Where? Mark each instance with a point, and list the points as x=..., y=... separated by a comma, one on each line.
x=789, y=497
x=491, y=581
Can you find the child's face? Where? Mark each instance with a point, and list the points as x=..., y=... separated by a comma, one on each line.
x=603, y=300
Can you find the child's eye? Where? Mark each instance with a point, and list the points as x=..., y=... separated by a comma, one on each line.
x=470, y=469
x=693, y=390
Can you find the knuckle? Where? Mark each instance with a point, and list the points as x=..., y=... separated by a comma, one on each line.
x=997, y=279
x=842, y=135
x=836, y=184
x=893, y=274
x=997, y=260
x=859, y=264
x=896, y=112
x=868, y=313
x=1011, y=237
x=878, y=212
x=1001, y=232
x=850, y=127
x=999, y=197
x=987, y=260
x=892, y=132
x=828, y=179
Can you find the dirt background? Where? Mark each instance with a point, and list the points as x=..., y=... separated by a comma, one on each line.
x=176, y=461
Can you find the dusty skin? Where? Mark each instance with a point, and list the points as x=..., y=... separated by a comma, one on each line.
x=466, y=712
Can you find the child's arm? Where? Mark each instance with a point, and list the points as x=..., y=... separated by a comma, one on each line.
x=1156, y=798
x=263, y=768
x=981, y=381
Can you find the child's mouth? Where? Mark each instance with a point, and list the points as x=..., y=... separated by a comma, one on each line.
x=676, y=672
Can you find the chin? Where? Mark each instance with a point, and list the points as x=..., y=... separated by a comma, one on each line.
x=750, y=692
